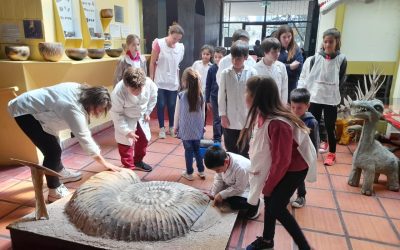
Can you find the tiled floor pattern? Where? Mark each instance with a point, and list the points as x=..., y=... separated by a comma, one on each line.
x=336, y=216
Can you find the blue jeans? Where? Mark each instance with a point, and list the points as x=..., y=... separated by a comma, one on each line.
x=217, y=129
x=166, y=97
x=192, y=147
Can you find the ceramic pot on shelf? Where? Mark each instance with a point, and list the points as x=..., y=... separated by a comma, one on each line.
x=106, y=13
x=76, y=54
x=96, y=53
x=51, y=51
x=17, y=52
x=114, y=52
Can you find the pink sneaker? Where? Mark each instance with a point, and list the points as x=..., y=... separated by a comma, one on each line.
x=323, y=147
x=330, y=159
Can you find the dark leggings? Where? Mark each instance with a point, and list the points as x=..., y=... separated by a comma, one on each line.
x=48, y=144
x=231, y=137
x=237, y=202
x=330, y=115
x=276, y=209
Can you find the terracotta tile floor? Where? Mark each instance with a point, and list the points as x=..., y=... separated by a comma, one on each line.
x=336, y=216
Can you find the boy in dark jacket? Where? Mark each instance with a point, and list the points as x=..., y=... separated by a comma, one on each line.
x=212, y=93
x=299, y=104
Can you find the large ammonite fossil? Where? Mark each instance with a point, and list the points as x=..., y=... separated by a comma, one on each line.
x=117, y=205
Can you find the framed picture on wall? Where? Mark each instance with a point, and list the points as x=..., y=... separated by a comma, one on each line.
x=119, y=13
x=33, y=29
x=68, y=18
x=92, y=18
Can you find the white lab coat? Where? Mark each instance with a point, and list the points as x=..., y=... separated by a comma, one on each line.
x=203, y=70
x=57, y=108
x=127, y=110
x=276, y=71
x=235, y=181
x=226, y=62
x=323, y=79
x=231, y=96
x=166, y=75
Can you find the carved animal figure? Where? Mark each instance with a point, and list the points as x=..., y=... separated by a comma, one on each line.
x=370, y=156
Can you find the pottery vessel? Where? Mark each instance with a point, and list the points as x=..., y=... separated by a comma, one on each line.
x=114, y=52
x=17, y=53
x=96, y=53
x=76, y=54
x=51, y=51
x=106, y=13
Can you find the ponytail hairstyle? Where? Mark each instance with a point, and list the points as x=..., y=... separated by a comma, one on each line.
x=195, y=96
x=292, y=47
x=266, y=103
x=335, y=33
x=175, y=28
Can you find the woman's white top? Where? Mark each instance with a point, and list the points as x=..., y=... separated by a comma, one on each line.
x=276, y=71
x=203, y=70
x=57, y=108
x=235, y=181
x=127, y=110
x=167, y=70
x=323, y=79
x=231, y=96
x=226, y=62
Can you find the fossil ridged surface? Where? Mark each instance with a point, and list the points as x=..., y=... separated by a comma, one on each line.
x=117, y=205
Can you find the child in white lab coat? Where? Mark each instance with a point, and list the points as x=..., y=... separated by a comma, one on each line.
x=133, y=99
x=231, y=180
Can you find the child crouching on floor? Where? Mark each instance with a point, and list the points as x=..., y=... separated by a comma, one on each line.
x=231, y=181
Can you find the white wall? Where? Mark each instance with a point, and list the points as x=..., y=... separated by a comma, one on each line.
x=371, y=32
x=134, y=17
x=396, y=94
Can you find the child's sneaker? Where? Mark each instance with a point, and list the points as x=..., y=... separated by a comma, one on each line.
x=323, y=147
x=57, y=193
x=260, y=243
x=143, y=166
x=69, y=176
x=202, y=175
x=187, y=176
x=299, y=202
x=253, y=212
x=172, y=132
x=330, y=159
x=161, y=134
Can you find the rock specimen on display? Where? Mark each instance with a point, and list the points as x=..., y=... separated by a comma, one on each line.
x=117, y=205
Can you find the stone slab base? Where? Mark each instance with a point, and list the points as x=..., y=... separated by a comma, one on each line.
x=59, y=233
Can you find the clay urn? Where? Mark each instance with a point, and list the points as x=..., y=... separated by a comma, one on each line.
x=51, y=51
x=106, y=13
x=17, y=53
x=76, y=54
x=114, y=52
x=96, y=53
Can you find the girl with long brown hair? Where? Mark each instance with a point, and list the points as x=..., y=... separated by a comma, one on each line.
x=189, y=120
x=280, y=153
x=290, y=55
